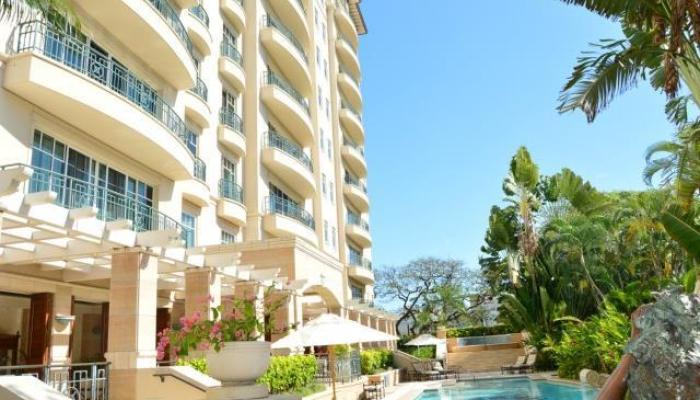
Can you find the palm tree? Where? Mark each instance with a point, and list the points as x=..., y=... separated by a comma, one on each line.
x=660, y=44
x=21, y=9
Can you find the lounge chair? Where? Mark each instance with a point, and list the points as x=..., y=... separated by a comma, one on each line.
x=446, y=372
x=529, y=365
x=512, y=367
x=424, y=371
x=374, y=388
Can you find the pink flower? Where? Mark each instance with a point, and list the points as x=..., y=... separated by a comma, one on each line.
x=203, y=346
x=216, y=328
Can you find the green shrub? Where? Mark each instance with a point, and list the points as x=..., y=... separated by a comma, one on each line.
x=200, y=364
x=289, y=373
x=478, y=331
x=422, y=352
x=372, y=361
x=596, y=344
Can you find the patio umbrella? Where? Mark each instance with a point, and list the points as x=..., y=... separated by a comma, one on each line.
x=331, y=330
x=425, y=340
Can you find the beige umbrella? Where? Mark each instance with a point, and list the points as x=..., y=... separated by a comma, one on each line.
x=425, y=340
x=331, y=330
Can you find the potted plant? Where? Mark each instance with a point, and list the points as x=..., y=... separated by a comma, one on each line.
x=232, y=340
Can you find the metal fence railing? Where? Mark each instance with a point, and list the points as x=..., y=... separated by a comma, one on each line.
x=347, y=368
x=201, y=14
x=280, y=205
x=229, y=189
x=270, y=78
x=272, y=22
x=200, y=89
x=277, y=141
x=84, y=381
x=230, y=50
x=231, y=120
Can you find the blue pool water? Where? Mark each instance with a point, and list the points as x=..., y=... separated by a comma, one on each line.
x=511, y=389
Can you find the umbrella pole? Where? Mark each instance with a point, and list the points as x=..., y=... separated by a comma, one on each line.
x=331, y=365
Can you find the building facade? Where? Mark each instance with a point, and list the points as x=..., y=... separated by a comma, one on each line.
x=173, y=149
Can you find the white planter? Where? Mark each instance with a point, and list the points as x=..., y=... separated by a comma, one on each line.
x=240, y=362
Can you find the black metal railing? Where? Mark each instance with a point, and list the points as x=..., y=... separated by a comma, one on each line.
x=230, y=190
x=200, y=169
x=272, y=22
x=101, y=68
x=345, y=105
x=270, y=78
x=280, y=205
x=356, y=260
x=344, y=70
x=230, y=50
x=81, y=381
x=277, y=141
x=354, y=219
x=349, y=142
x=347, y=368
x=231, y=120
x=173, y=20
x=74, y=193
x=201, y=14
x=352, y=181
x=200, y=89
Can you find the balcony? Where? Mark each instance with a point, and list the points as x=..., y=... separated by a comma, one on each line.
x=99, y=96
x=352, y=122
x=233, y=10
x=350, y=88
x=230, y=205
x=231, y=132
x=288, y=53
x=231, y=65
x=284, y=218
x=360, y=269
x=293, y=13
x=348, y=57
x=345, y=23
x=196, y=107
x=197, y=22
x=289, y=162
x=290, y=107
x=155, y=34
x=196, y=190
x=73, y=193
x=358, y=230
x=354, y=157
x=356, y=193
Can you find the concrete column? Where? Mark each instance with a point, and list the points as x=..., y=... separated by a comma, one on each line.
x=61, y=329
x=132, y=320
x=202, y=291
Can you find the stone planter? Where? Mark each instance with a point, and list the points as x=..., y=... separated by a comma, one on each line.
x=239, y=362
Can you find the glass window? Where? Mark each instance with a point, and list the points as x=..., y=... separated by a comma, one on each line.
x=227, y=237
x=332, y=192
x=277, y=192
x=330, y=149
x=356, y=292
x=325, y=232
x=228, y=102
x=334, y=233
x=228, y=170
x=323, y=184
x=189, y=224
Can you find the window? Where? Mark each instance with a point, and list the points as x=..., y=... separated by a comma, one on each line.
x=354, y=256
x=332, y=192
x=192, y=141
x=228, y=102
x=328, y=109
x=189, y=224
x=316, y=14
x=277, y=192
x=325, y=232
x=356, y=292
x=322, y=143
x=325, y=68
x=323, y=184
x=330, y=149
x=318, y=56
x=228, y=170
x=334, y=233
x=227, y=237
x=320, y=97
x=323, y=30
x=229, y=37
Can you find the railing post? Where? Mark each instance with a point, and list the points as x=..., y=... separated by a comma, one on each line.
x=93, y=381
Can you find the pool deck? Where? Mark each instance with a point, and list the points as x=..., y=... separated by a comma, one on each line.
x=411, y=390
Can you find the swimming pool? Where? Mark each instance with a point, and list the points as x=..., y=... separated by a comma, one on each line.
x=511, y=389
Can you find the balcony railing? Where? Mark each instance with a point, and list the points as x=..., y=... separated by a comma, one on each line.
x=230, y=190
x=270, y=78
x=301, y=5
x=71, y=52
x=75, y=381
x=271, y=22
x=200, y=169
x=349, y=142
x=345, y=40
x=201, y=14
x=356, y=260
x=345, y=71
x=343, y=4
x=173, y=20
x=275, y=140
x=230, y=50
x=352, y=181
x=111, y=206
x=280, y=205
x=200, y=89
x=232, y=120
x=345, y=105
x=354, y=219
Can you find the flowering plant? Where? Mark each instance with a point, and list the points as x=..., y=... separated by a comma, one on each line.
x=248, y=319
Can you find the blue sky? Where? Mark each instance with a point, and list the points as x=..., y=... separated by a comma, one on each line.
x=450, y=93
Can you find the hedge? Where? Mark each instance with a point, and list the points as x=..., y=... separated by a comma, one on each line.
x=289, y=373
x=372, y=361
x=478, y=331
x=422, y=352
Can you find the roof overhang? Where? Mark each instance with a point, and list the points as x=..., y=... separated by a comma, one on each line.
x=357, y=17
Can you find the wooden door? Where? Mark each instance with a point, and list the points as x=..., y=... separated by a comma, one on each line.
x=39, y=338
x=105, y=328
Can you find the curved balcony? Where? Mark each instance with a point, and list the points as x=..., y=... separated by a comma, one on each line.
x=352, y=122
x=230, y=205
x=231, y=65
x=345, y=24
x=230, y=132
x=360, y=269
x=348, y=57
x=155, y=34
x=358, y=230
x=234, y=12
x=290, y=163
x=286, y=50
x=196, y=190
x=354, y=156
x=290, y=107
x=350, y=88
x=356, y=193
x=197, y=22
x=293, y=13
x=284, y=218
x=91, y=92
x=196, y=107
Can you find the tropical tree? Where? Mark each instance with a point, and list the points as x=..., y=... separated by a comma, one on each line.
x=21, y=9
